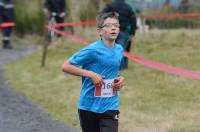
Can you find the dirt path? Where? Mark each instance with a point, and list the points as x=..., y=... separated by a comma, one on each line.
x=17, y=114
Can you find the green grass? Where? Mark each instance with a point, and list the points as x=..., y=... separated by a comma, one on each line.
x=151, y=101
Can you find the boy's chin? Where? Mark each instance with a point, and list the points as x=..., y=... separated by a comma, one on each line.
x=112, y=39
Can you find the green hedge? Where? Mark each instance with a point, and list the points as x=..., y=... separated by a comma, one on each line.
x=29, y=17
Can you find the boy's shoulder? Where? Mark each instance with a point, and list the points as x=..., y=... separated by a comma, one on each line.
x=94, y=44
x=119, y=46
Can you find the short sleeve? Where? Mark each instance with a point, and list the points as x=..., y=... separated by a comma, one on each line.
x=84, y=56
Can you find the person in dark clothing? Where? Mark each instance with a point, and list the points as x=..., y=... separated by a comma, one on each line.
x=7, y=21
x=127, y=20
x=56, y=9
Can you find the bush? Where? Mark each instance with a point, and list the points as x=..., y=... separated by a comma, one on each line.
x=87, y=13
x=28, y=20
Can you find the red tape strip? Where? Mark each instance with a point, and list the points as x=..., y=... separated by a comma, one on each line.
x=7, y=24
x=148, y=63
x=74, y=24
x=163, y=67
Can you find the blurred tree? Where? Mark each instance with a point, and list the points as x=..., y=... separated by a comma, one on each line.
x=29, y=17
x=95, y=3
x=184, y=7
x=167, y=7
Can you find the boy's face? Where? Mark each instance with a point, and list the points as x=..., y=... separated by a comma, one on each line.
x=110, y=29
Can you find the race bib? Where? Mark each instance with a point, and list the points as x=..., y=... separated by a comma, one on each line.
x=106, y=90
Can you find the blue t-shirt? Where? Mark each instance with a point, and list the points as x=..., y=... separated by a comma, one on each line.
x=105, y=61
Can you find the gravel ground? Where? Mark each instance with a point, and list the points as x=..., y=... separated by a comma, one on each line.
x=17, y=113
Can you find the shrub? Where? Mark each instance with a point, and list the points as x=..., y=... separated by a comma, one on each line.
x=29, y=17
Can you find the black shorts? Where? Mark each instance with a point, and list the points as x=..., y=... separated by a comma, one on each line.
x=99, y=122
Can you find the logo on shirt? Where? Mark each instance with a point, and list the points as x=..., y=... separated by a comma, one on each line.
x=117, y=117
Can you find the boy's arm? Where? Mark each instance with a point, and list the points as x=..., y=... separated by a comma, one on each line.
x=71, y=69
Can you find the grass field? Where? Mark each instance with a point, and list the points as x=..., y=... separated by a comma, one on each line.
x=151, y=101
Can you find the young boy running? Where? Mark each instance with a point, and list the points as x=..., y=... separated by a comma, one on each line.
x=98, y=65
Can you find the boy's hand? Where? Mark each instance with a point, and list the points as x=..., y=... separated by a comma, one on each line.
x=46, y=12
x=118, y=83
x=96, y=78
x=63, y=14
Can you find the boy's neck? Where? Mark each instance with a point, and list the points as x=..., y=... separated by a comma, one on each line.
x=109, y=43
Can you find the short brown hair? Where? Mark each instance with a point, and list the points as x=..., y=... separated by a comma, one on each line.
x=102, y=16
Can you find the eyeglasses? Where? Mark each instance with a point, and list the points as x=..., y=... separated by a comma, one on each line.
x=109, y=25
